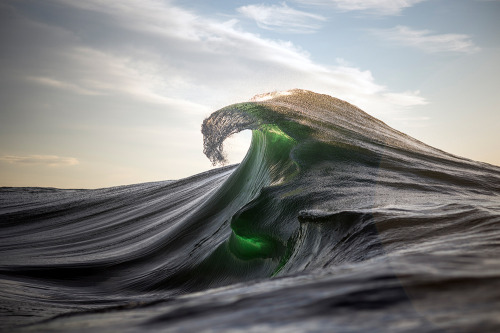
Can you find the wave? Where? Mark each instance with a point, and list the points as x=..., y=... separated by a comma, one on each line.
x=332, y=215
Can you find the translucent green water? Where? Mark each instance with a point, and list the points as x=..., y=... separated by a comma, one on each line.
x=250, y=247
x=244, y=242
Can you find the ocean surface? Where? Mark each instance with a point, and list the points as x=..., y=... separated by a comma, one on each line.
x=333, y=222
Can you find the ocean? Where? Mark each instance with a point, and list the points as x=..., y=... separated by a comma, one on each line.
x=333, y=222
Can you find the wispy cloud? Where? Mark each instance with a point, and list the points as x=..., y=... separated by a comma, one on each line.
x=282, y=18
x=53, y=83
x=188, y=62
x=102, y=77
x=380, y=7
x=47, y=160
x=99, y=73
x=190, y=53
x=428, y=41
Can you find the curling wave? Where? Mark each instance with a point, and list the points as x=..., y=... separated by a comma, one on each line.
x=332, y=215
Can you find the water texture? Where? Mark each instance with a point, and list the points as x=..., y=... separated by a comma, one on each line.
x=333, y=222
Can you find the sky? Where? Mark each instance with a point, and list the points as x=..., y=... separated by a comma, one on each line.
x=99, y=93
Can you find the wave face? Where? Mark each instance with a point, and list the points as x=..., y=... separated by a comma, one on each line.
x=333, y=222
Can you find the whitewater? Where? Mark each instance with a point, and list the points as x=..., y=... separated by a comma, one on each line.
x=333, y=222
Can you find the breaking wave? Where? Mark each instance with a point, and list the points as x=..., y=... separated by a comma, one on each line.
x=333, y=221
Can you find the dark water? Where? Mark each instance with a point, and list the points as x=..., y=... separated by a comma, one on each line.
x=334, y=222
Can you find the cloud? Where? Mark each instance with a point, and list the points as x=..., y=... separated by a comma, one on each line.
x=50, y=82
x=129, y=82
x=193, y=58
x=406, y=99
x=47, y=160
x=170, y=56
x=282, y=18
x=427, y=41
x=380, y=7
x=98, y=73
